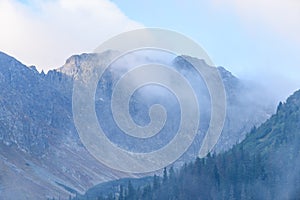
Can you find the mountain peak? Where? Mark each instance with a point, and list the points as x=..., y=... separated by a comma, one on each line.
x=3, y=55
x=11, y=64
x=294, y=98
x=7, y=60
x=84, y=62
x=184, y=61
x=225, y=73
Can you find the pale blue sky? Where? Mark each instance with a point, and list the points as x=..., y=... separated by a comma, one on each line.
x=249, y=48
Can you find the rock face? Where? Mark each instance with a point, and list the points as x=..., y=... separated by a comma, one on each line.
x=40, y=148
x=30, y=107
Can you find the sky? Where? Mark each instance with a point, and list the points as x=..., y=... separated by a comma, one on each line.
x=256, y=40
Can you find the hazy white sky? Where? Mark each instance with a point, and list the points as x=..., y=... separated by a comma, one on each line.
x=254, y=39
x=46, y=33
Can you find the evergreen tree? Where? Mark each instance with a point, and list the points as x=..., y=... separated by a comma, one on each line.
x=121, y=195
x=156, y=182
x=131, y=191
x=165, y=176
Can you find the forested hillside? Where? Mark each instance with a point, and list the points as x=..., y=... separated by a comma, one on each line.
x=265, y=165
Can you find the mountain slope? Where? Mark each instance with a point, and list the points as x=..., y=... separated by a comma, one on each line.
x=40, y=148
x=265, y=165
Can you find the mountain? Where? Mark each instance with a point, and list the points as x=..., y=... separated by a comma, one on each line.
x=265, y=165
x=248, y=104
x=40, y=148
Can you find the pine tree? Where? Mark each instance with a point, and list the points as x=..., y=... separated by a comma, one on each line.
x=156, y=182
x=165, y=176
x=131, y=191
x=121, y=195
x=172, y=175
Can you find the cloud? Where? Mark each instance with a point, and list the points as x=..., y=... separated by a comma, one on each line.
x=272, y=30
x=45, y=33
x=282, y=17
